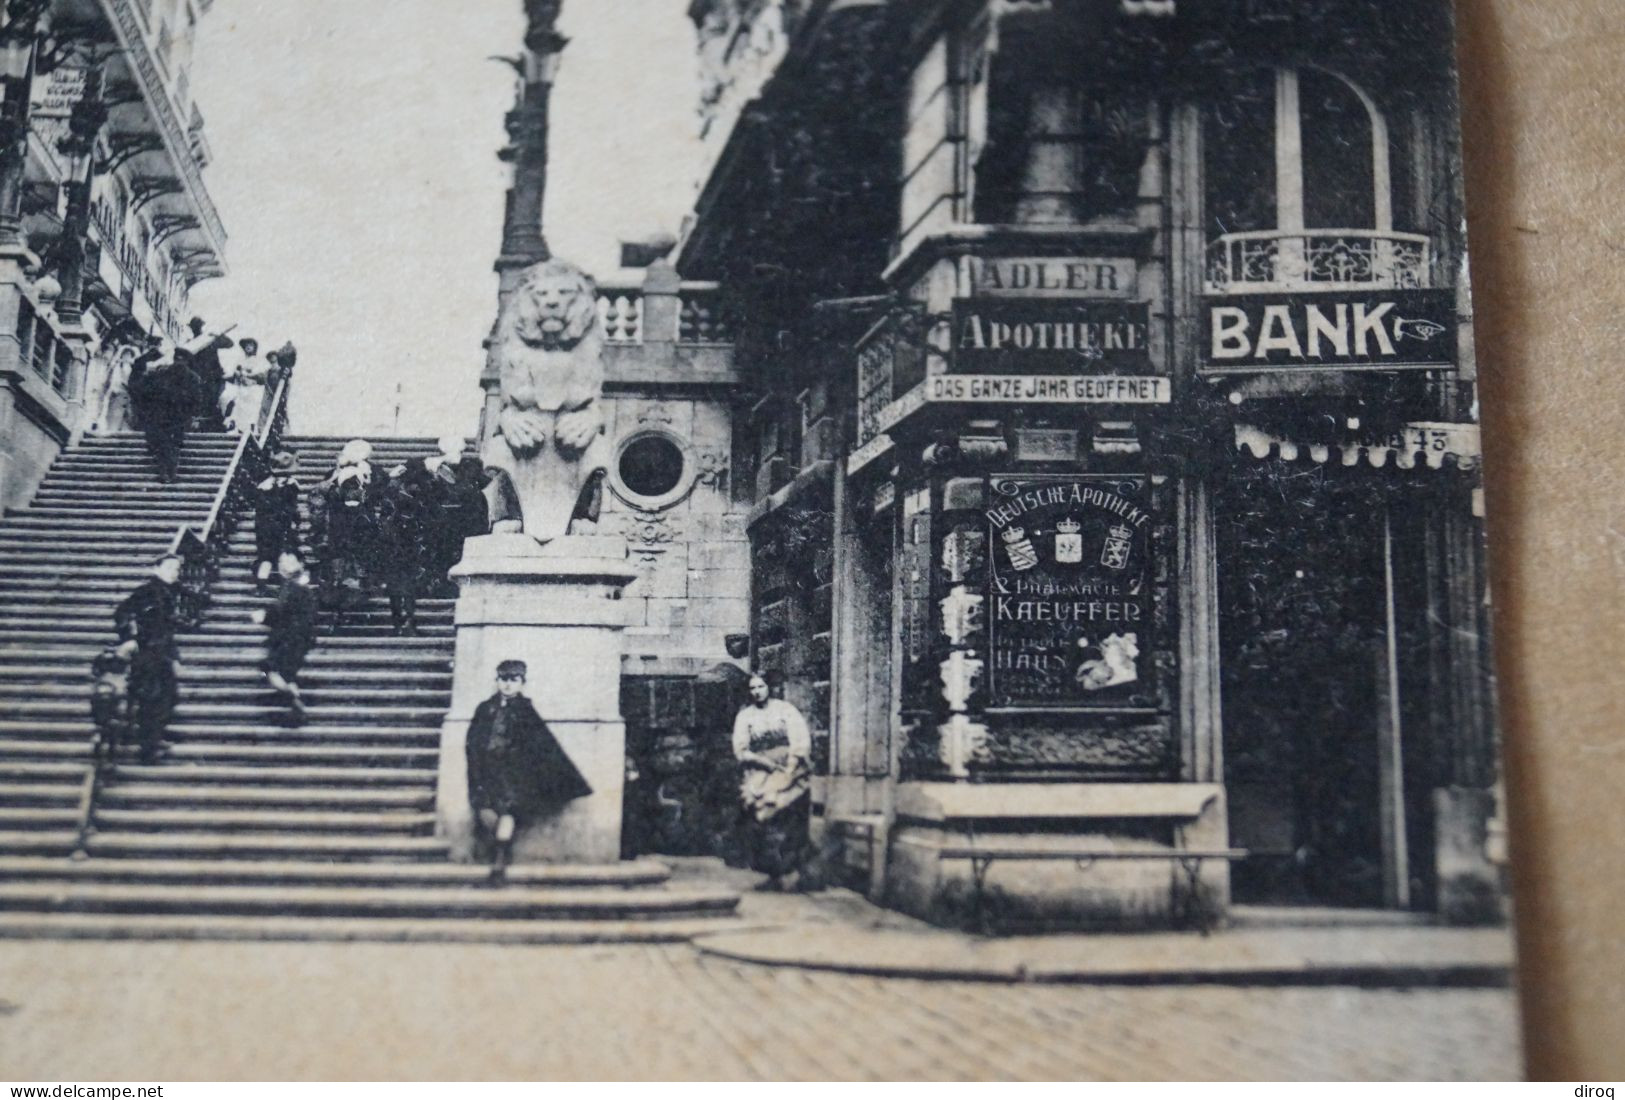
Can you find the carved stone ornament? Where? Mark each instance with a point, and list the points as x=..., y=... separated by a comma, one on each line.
x=549, y=440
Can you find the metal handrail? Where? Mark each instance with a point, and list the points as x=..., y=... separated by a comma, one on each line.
x=198, y=565
x=247, y=461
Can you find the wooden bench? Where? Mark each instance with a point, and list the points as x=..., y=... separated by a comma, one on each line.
x=1190, y=904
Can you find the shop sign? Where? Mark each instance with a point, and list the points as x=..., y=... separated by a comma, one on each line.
x=1050, y=277
x=1367, y=330
x=65, y=88
x=1069, y=610
x=1049, y=389
x=1050, y=336
x=888, y=367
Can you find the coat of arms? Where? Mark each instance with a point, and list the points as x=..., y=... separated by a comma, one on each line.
x=1114, y=554
x=1020, y=548
x=1069, y=542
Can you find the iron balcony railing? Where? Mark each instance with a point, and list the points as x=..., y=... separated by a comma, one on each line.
x=1319, y=259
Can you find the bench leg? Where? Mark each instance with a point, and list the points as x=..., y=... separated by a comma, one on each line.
x=1194, y=911
x=979, y=867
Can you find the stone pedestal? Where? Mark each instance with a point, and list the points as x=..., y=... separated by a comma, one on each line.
x=558, y=608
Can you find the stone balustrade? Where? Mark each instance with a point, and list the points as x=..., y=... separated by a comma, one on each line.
x=630, y=317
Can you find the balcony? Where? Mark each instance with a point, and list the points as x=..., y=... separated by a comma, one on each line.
x=1321, y=260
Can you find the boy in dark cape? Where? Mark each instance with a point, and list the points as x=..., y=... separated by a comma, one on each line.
x=292, y=622
x=516, y=769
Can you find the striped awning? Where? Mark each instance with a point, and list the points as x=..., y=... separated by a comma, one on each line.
x=1431, y=444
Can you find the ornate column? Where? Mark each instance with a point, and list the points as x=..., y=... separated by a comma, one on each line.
x=78, y=147
x=523, y=242
x=19, y=54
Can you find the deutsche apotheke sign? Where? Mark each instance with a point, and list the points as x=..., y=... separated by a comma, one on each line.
x=1069, y=606
x=1369, y=330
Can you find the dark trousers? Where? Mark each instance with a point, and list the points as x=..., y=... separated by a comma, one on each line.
x=164, y=443
x=403, y=606
x=271, y=539
x=153, y=694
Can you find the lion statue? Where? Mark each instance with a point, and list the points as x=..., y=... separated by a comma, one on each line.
x=549, y=434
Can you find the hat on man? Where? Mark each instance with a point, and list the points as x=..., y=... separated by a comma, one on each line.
x=357, y=450
x=511, y=668
x=452, y=446
x=284, y=462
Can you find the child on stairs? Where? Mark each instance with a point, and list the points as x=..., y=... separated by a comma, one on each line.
x=292, y=622
x=276, y=517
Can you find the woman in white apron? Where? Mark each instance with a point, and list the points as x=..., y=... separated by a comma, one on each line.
x=245, y=389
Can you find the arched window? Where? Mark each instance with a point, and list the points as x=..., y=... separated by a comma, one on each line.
x=1306, y=187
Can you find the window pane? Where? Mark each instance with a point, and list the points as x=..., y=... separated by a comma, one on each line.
x=1337, y=169
x=1402, y=170
x=1238, y=136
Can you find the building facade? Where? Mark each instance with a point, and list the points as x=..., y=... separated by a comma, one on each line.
x=143, y=234
x=1111, y=446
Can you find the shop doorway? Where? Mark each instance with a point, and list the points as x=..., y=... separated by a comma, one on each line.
x=1323, y=787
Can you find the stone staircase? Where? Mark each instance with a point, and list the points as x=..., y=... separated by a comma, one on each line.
x=251, y=828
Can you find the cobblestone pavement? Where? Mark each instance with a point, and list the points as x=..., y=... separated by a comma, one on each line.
x=185, y=1011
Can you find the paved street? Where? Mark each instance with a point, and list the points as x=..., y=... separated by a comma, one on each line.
x=176, y=1011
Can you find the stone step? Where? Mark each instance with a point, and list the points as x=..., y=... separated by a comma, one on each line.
x=186, y=480
x=24, y=628
x=256, y=694
x=114, y=502
x=327, y=822
x=122, y=438
x=73, y=607
x=267, y=732
x=69, y=491
x=195, y=776
x=391, y=757
x=113, y=587
x=118, y=794
x=274, y=846
x=137, y=548
x=236, y=614
x=246, y=673
x=38, y=819
x=65, y=526
x=122, y=527
x=189, y=712
x=57, y=774
x=220, y=446
x=139, y=455
x=123, y=573
x=141, y=470
x=127, y=926
x=15, y=750
x=510, y=902
x=181, y=872
x=135, y=563
x=35, y=794
x=332, y=658
x=57, y=843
